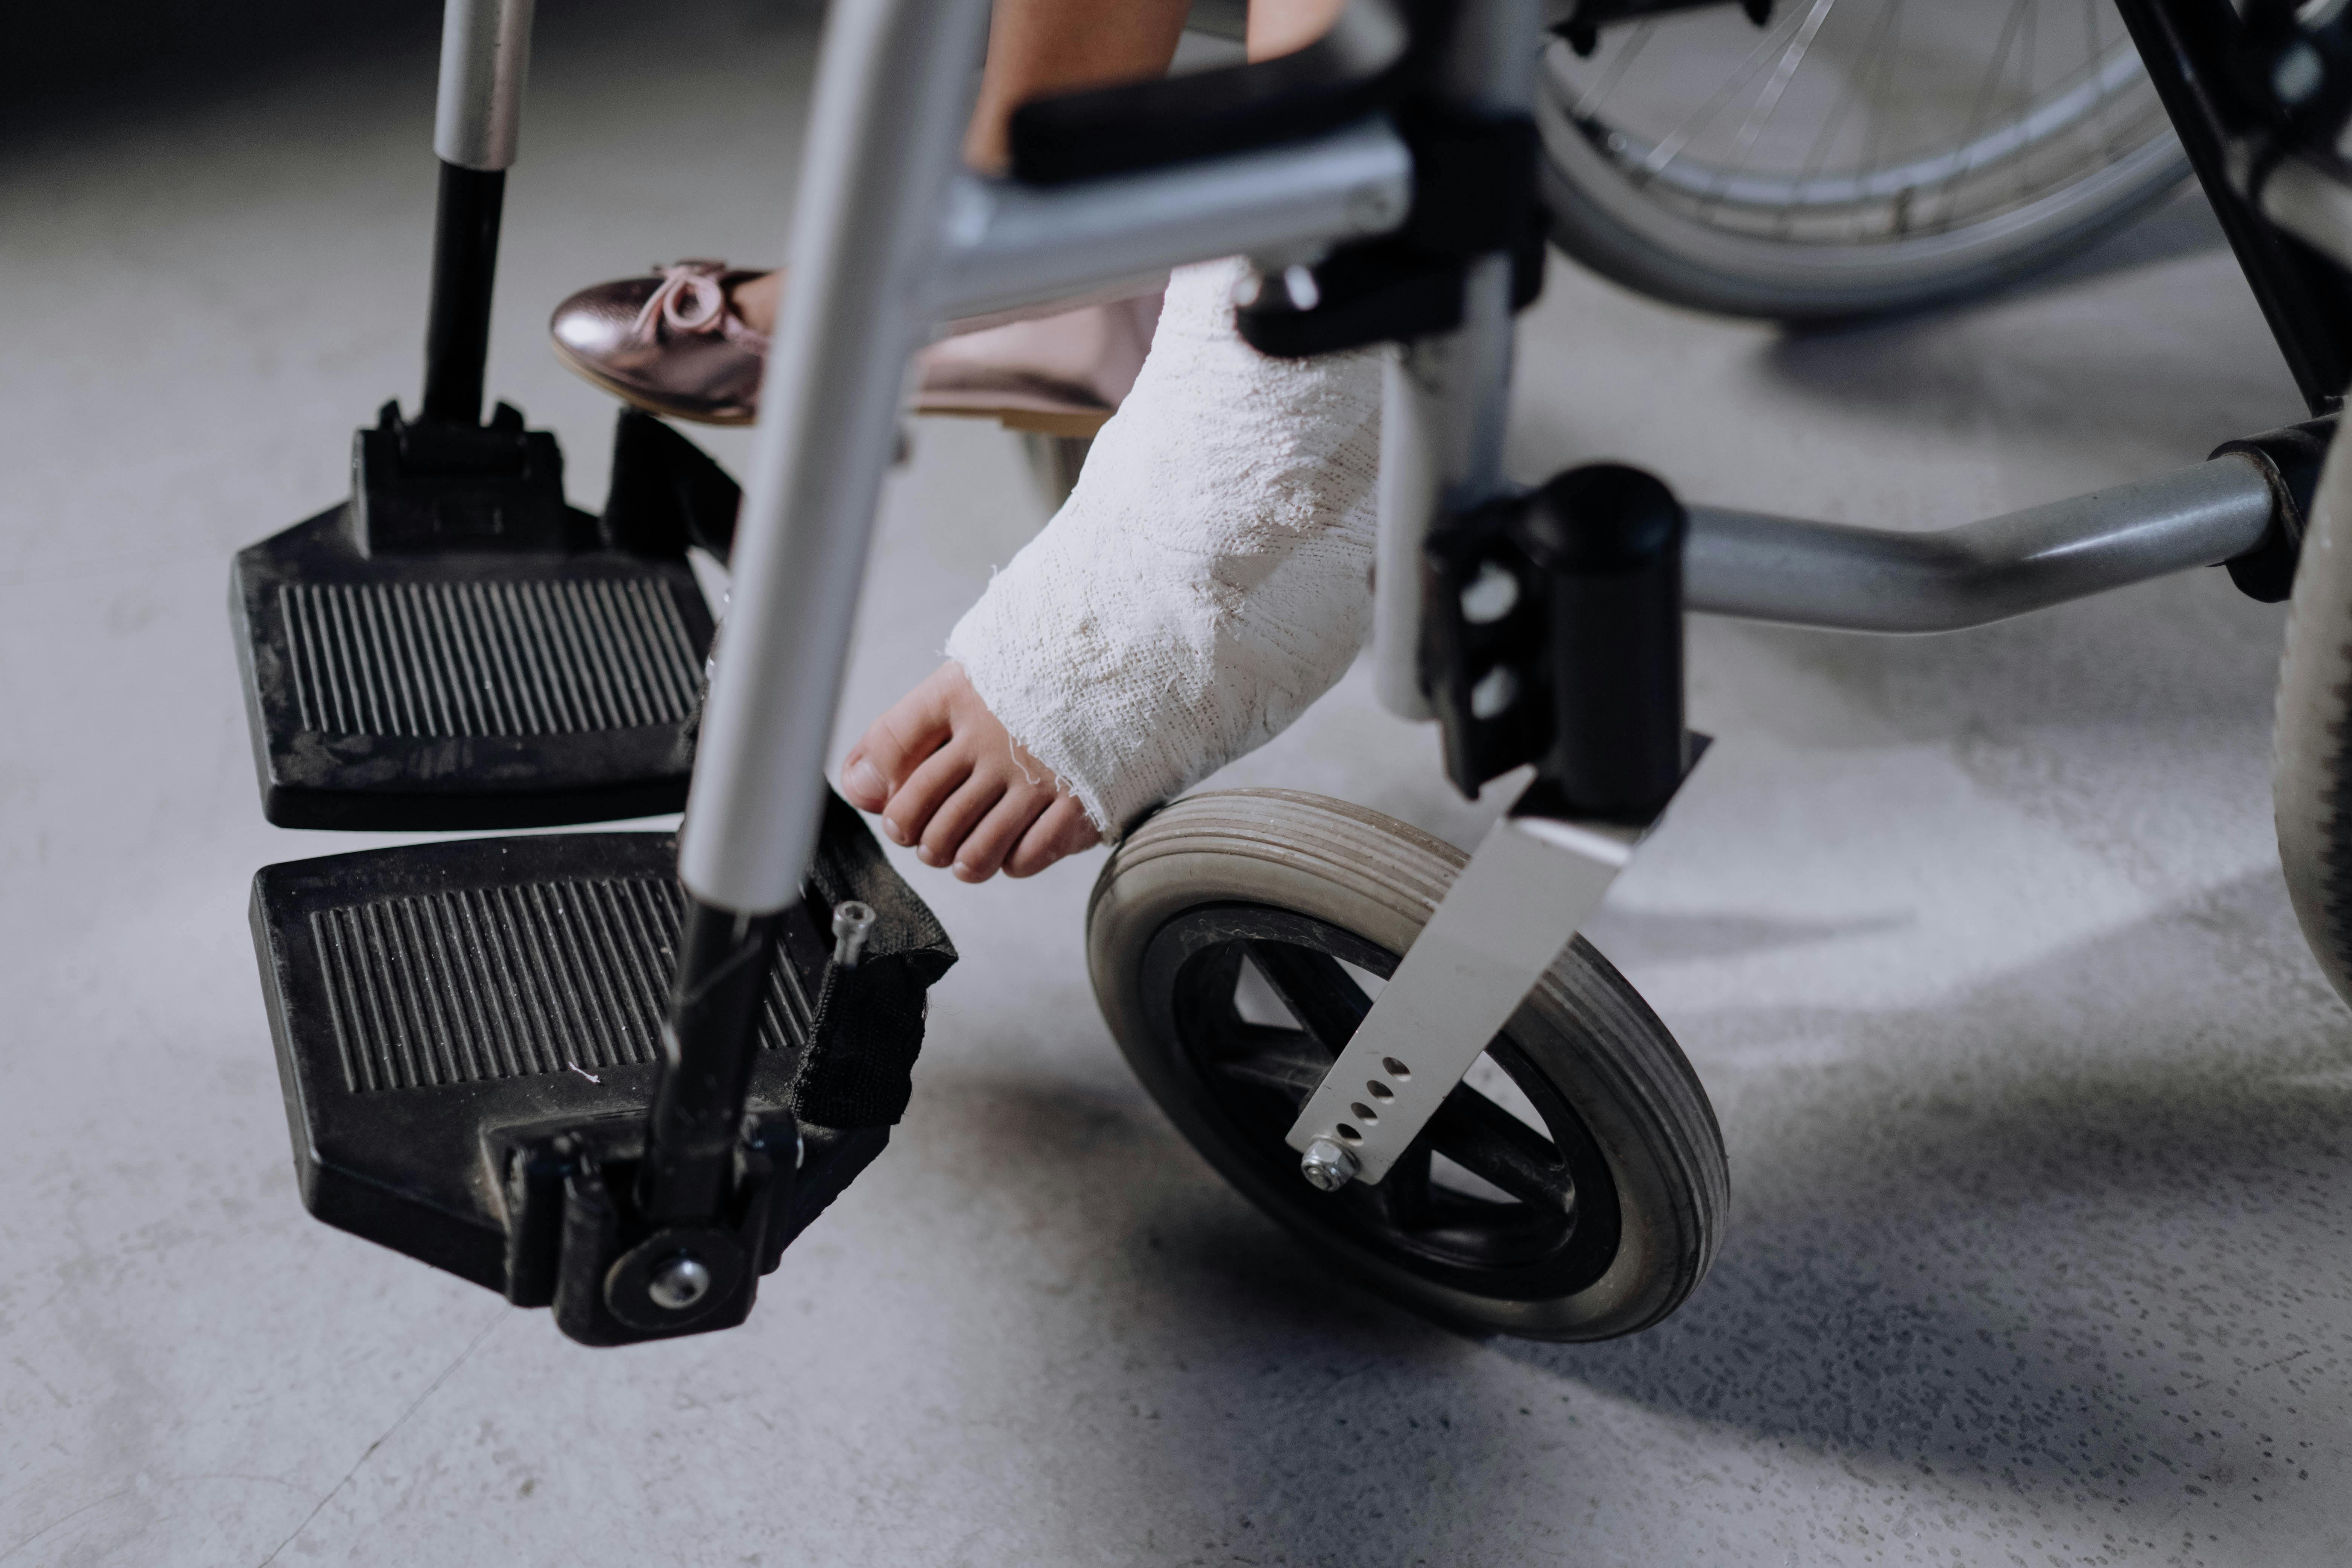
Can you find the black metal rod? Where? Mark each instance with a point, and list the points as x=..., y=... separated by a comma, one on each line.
x=465, y=264
x=2185, y=44
x=710, y=1044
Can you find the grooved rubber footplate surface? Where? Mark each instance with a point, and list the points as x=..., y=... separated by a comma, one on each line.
x=466, y=691
x=422, y=998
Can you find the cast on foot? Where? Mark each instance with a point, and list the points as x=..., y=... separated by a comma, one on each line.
x=946, y=778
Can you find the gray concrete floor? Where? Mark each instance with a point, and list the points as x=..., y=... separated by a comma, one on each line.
x=2035, y=1101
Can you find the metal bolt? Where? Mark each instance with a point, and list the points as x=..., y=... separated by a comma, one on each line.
x=679, y=1283
x=1327, y=1166
x=853, y=922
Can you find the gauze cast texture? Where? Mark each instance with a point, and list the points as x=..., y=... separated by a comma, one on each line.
x=1209, y=577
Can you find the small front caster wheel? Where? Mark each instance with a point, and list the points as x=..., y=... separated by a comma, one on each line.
x=1572, y=1188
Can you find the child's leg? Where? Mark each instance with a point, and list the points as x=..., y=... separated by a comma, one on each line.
x=1040, y=47
x=1207, y=580
x=1036, y=48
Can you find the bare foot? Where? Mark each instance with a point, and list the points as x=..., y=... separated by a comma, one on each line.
x=945, y=777
x=755, y=301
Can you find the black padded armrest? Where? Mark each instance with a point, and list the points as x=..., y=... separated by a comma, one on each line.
x=1347, y=73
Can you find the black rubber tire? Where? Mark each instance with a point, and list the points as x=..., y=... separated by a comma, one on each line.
x=1610, y=224
x=2311, y=768
x=1589, y=1033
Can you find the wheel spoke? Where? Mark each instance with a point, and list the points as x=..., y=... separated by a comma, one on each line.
x=1468, y=1128
x=1670, y=146
x=1868, y=62
x=1286, y=1060
x=1402, y=1196
x=1315, y=989
x=1768, y=102
x=1985, y=93
x=1590, y=104
x=1492, y=1144
x=2097, y=120
x=1880, y=115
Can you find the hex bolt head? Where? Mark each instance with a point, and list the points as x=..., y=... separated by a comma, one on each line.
x=1327, y=1166
x=679, y=1283
x=853, y=922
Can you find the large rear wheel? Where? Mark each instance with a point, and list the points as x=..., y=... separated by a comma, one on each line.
x=1848, y=156
x=2311, y=768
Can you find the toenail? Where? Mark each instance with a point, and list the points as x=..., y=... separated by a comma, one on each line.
x=897, y=833
x=864, y=779
x=928, y=855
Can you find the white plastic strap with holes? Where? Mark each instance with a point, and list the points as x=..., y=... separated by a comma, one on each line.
x=1522, y=898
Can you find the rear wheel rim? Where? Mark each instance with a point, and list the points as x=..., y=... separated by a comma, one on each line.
x=1860, y=123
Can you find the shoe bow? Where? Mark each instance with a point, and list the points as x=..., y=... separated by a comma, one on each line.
x=691, y=298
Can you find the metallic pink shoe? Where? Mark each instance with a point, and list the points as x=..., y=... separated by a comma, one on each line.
x=671, y=343
x=1062, y=374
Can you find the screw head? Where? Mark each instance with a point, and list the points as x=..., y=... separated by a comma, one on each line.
x=1327, y=1166
x=679, y=1283
x=853, y=922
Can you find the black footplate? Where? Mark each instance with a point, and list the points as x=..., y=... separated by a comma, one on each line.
x=456, y=647
x=469, y=1037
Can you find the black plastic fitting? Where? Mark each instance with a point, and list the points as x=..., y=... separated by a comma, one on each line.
x=1553, y=635
x=1608, y=540
x=2289, y=461
x=1473, y=185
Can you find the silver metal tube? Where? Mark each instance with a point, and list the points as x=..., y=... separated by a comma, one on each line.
x=1447, y=398
x=1011, y=244
x=894, y=81
x=1444, y=405
x=485, y=53
x=1412, y=394
x=1834, y=576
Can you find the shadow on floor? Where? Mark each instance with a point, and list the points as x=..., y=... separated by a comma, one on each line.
x=2075, y=356
x=1949, y=1259
x=2118, y=658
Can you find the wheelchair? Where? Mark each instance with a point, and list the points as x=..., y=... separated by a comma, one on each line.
x=616, y=1074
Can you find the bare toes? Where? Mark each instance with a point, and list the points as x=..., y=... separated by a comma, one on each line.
x=951, y=825
x=911, y=806
x=1063, y=830
x=908, y=732
x=985, y=848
